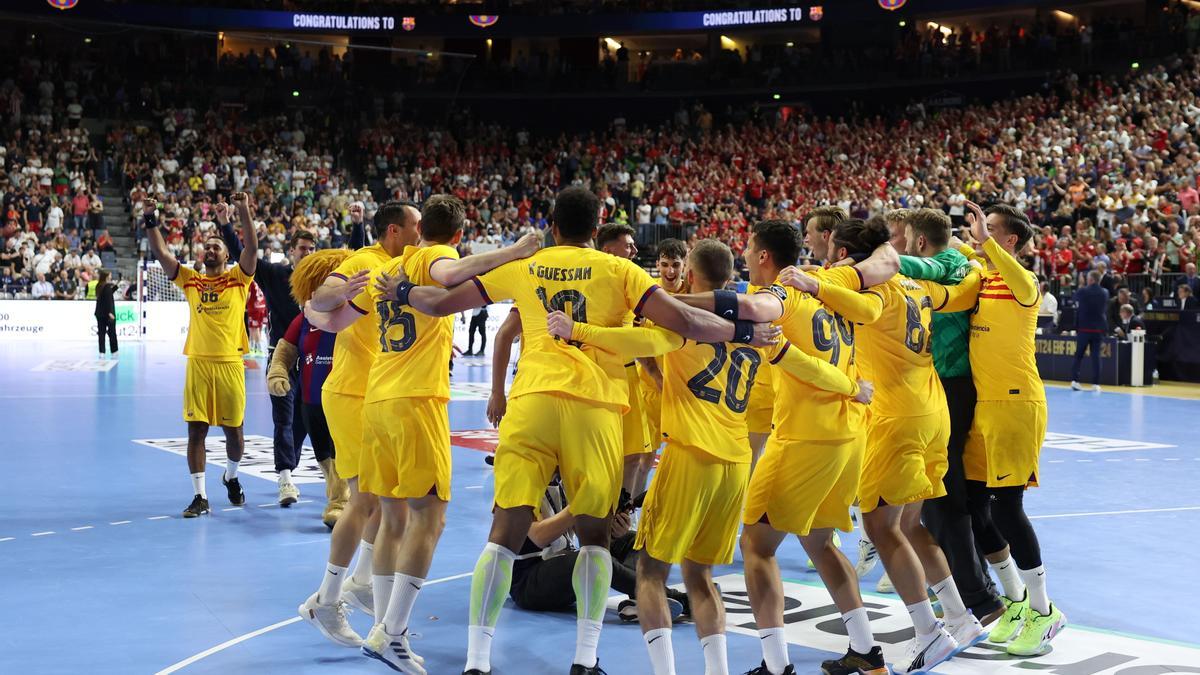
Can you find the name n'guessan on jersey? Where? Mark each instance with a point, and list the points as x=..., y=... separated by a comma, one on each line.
x=560, y=273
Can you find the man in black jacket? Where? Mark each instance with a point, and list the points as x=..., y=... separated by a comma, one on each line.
x=1129, y=322
x=1091, y=325
x=106, y=313
x=275, y=281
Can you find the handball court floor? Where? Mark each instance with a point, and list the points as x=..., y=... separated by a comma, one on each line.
x=101, y=574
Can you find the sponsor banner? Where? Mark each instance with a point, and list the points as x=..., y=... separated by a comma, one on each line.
x=258, y=460
x=812, y=620
x=68, y=320
x=1080, y=443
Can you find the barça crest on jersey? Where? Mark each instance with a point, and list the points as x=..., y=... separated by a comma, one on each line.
x=892, y=4
x=63, y=4
x=408, y=22
x=484, y=20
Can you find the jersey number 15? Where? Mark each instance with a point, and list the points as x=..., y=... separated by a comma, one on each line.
x=391, y=313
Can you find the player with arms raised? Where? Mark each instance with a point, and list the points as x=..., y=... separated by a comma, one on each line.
x=215, y=388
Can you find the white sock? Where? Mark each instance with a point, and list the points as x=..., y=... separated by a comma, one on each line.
x=1010, y=579
x=858, y=627
x=479, y=648
x=331, y=584
x=947, y=594
x=404, y=596
x=922, y=617
x=362, y=570
x=587, y=640
x=285, y=476
x=662, y=657
x=231, y=468
x=381, y=589
x=198, y=485
x=716, y=657
x=774, y=648
x=1035, y=581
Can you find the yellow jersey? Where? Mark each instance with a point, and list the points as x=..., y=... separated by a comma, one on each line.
x=706, y=391
x=811, y=413
x=764, y=384
x=355, y=348
x=413, y=349
x=217, y=331
x=1003, y=348
x=593, y=287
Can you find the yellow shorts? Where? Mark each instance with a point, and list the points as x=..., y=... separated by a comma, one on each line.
x=905, y=461
x=633, y=423
x=214, y=392
x=1005, y=443
x=800, y=486
x=693, y=508
x=406, y=449
x=542, y=432
x=652, y=407
x=344, y=414
x=761, y=407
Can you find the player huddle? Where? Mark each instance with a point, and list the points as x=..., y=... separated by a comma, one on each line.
x=828, y=373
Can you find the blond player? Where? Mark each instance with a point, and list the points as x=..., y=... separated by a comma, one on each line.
x=343, y=397
x=694, y=506
x=907, y=435
x=215, y=389
x=564, y=408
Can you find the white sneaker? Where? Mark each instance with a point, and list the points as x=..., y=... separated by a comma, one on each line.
x=867, y=557
x=331, y=621
x=288, y=494
x=1076, y=386
x=392, y=650
x=885, y=584
x=966, y=631
x=359, y=596
x=924, y=652
x=1096, y=388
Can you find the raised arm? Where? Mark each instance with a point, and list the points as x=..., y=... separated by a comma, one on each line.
x=760, y=307
x=358, y=229
x=227, y=233
x=448, y=272
x=882, y=265
x=624, y=341
x=1022, y=284
x=158, y=246
x=808, y=368
x=248, y=260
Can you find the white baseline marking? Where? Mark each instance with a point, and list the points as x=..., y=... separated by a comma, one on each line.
x=158, y=517
x=42, y=534
x=80, y=529
x=7, y=538
x=175, y=667
x=1115, y=513
x=120, y=522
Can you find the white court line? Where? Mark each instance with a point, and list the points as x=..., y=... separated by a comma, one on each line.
x=233, y=508
x=42, y=534
x=1141, y=459
x=1171, y=459
x=80, y=529
x=120, y=522
x=175, y=667
x=158, y=517
x=1057, y=461
x=1114, y=460
x=1115, y=513
x=1086, y=461
x=263, y=506
x=7, y=538
x=474, y=487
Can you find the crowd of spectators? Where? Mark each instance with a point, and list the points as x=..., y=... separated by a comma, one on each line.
x=52, y=229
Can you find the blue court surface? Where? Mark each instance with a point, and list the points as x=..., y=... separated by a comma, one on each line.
x=102, y=575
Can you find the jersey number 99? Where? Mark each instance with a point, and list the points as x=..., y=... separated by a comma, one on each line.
x=391, y=313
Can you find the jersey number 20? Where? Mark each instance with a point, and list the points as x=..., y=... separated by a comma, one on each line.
x=737, y=358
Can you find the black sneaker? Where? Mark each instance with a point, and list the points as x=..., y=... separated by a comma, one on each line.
x=627, y=611
x=476, y=671
x=871, y=663
x=762, y=670
x=234, y=488
x=577, y=669
x=198, y=507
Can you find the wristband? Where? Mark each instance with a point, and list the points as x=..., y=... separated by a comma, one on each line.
x=725, y=303
x=149, y=221
x=743, y=331
x=403, y=290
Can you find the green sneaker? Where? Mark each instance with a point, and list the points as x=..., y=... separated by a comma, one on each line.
x=1009, y=625
x=1038, y=631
